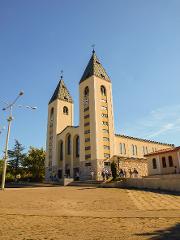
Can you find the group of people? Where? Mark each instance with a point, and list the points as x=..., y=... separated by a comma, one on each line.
x=122, y=173
x=106, y=174
x=132, y=173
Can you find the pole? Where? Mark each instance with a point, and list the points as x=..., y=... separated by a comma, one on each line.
x=6, y=152
x=10, y=107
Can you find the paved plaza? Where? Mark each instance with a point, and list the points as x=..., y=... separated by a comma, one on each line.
x=88, y=213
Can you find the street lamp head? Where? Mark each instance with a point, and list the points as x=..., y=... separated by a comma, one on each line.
x=30, y=107
x=21, y=93
x=10, y=119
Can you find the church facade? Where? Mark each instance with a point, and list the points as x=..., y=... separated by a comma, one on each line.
x=93, y=145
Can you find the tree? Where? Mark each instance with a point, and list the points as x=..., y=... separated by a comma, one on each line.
x=9, y=176
x=113, y=170
x=16, y=157
x=34, y=163
x=1, y=168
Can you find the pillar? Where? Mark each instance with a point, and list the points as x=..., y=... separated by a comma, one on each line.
x=159, y=165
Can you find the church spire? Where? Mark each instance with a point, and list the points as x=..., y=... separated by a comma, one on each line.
x=61, y=92
x=95, y=68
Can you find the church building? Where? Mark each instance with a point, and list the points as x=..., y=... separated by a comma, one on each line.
x=90, y=147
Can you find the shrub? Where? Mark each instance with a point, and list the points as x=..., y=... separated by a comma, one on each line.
x=114, y=170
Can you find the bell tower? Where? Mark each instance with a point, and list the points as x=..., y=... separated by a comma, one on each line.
x=96, y=118
x=60, y=115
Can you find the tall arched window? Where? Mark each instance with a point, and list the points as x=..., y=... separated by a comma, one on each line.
x=135, y=148
x=154, y=163
x=65, y=110
x=121, y=148
x=132, y=149
x=52, y=114
x=170, y=161
x=143, y=150
x=164, y=162
x=124, y=147
x=69, y=145
x=103, y=90
x=77, y=146
x=86, y=91
x=61, y=150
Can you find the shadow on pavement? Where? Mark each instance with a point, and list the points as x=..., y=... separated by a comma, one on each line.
x=155, y=191
x=31, y=185
x=172, y=233
x=87, y=188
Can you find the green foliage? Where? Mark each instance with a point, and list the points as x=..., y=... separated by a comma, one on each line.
x=16, y=156
x=113, y=170
x=10, y=177
x=1, y=168
x=24, y=167
x=34, y=163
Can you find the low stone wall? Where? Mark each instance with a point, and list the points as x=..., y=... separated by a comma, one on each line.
x=154, y=183
x=65, y=181
x=139, y=164
x=167, y=176
x=169, y=184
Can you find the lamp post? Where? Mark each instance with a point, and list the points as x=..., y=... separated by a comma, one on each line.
x=2, y=129
x=10, y=118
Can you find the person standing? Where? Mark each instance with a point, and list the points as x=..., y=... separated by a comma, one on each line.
x=125, y=173
x=103, y=175
x=130, y=173
x=77, y=175
x=135, y=173
x=92, y=175
x=106, y=174
x=121, y=174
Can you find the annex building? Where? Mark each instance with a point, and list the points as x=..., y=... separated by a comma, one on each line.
x=92, y=145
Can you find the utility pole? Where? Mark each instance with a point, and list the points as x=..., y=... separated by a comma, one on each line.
x=6, y=152
x=10, y=118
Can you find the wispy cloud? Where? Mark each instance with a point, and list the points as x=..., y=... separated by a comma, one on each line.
x=159, y=124
x=163, y=129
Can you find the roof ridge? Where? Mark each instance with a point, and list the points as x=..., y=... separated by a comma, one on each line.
x=145, y=140
x=165, y=150
x=68, y=127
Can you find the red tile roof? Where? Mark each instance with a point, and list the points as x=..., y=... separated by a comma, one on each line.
x=162, y=151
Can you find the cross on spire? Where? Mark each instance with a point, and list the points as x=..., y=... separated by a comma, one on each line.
x=62, y=74
x=93, y=47
x=94, y=68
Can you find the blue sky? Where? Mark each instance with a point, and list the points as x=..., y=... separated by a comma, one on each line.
x=137, y=42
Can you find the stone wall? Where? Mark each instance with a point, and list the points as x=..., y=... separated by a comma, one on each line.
x=167, y=183
x=139, y=164
x=172, y=184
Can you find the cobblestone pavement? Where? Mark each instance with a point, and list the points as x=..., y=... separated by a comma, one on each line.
x=145, y=200
x=70, y=213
